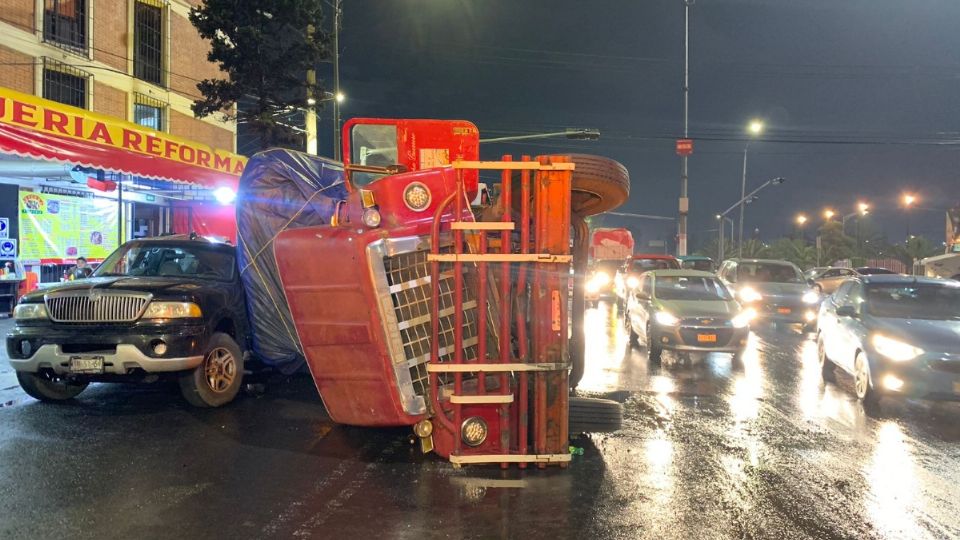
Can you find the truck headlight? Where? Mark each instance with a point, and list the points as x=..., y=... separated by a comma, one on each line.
x=26, y=312
x=749, y=294
x=371, y=218
x=666, y=318
x=172, y=310
x=811, y=297
x=894, y=349
x=633, y=282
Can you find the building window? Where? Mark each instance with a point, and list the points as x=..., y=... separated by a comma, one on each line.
x=65, y=23
x=149, y=112
x=65, y=84
x=148, y=41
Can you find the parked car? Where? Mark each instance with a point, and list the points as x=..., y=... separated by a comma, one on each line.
x=828, y=279
x=686, y=310
x=627, y=277
x=897, y=335
x=599, y=281
x=776, y=289
x=873, y=271
x=170, y=306
x=697, y=262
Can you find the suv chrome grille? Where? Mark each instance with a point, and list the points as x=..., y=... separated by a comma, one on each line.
x=96, y=307
x=408, y=275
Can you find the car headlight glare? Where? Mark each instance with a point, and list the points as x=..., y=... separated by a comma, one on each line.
x=894, y=349
x=593, y=286
x=811, y=297
x=172, y=310
x=633, y=282
x=743, y=318
x=417, y=196
x=601, y=278
x=26, y=312
x=749, y=294
x=666, y=318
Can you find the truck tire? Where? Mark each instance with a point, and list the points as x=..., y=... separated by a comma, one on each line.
x=49, y=388
x=599, y=184
x=592, y=415
x=218, y=378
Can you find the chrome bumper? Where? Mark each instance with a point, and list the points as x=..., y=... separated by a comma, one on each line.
x=126, y=358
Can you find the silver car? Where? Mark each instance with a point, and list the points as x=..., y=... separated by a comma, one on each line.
x=897, y=335
x=775, y=289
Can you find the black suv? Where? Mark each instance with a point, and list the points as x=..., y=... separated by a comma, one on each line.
x=169, y=306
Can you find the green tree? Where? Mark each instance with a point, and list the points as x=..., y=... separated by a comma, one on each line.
x=264, y=49
x=794, y=250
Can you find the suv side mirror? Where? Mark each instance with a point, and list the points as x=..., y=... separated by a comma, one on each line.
x=846, y=311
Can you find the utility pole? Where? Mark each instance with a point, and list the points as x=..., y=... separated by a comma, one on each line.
x=684, y=200
x=336, y=79
x=743, y=197
x=310, y=113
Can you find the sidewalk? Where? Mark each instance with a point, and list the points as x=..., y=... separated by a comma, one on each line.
x=10, y=392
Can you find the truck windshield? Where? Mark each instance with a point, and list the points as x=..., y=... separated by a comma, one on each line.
x=151, y=260
x=374, y=145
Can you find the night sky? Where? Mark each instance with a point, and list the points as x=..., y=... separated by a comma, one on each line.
x=860, y=97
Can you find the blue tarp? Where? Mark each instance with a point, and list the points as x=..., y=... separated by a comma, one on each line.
x=279, y=190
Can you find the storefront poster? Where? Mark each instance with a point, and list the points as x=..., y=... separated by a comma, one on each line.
x=56, y=228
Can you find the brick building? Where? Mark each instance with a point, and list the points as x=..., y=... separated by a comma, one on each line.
x=138, y=60
x=98, y=143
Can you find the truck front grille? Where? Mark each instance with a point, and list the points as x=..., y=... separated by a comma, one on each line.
x=96, y=307
x=408, y=275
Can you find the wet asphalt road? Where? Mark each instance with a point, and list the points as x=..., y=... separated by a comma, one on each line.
x=708, y=451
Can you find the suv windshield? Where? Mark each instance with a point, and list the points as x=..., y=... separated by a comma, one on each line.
x=768, y=273
x=690, y=288
x=645, y=265
x=914, y=301
x=153, y=260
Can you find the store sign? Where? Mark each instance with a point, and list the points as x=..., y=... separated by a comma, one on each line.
x=8, y=248
x=58, y=227
x=35, y=120
x=4, y=227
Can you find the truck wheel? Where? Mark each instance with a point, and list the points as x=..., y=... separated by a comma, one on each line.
x=49, y=387
x=218, y=378
x=591, y=415
x=599, y=184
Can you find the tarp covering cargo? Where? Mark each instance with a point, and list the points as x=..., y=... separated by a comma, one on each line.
x=279, y=190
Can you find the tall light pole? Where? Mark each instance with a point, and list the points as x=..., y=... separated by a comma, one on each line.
x=747, y=199
x=908, y=200
x=722, y=240
x=755, y=128
x=684, y=200
x=801, y=222
x=337, y=94
x=310, y=113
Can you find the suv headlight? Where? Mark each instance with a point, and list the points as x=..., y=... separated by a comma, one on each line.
x=811, y=297
x=749, y=294
x=666, y=318
x=172, y=310
x=894, y=349
x=26, y=312
x=633, y=282
x=743, y=318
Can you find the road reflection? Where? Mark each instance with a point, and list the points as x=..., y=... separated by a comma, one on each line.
x=892, y=479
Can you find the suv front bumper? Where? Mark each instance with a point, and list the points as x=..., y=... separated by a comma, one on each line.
x=123, y=349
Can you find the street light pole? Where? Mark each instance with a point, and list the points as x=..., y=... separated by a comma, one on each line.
x=743, y=198
x=746, y=199
x=310, y=113
x=570, y=133
x=337, y=96
x=684, y=200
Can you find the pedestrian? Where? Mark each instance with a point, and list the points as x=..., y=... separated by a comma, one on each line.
x=81, y=270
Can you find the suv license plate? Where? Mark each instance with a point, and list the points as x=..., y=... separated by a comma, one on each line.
x=707, y=338
x=86, y=364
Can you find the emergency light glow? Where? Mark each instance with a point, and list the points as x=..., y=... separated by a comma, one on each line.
x=224, y=195
x=416, y=196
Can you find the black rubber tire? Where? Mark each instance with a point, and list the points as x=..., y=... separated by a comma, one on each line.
x=827, y=367
x=193, y=384
x=47, y=389
x=592, y=415
x=599, y=184
x=654, y=350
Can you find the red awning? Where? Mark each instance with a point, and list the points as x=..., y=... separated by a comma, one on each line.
x=42, y=129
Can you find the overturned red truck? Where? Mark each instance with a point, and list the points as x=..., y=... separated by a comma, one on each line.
x=410, y=307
